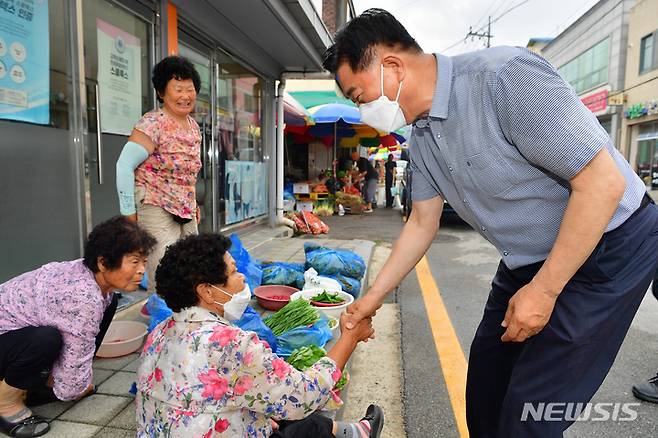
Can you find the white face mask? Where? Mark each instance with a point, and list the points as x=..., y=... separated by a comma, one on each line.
x=235, y=307
x=383, y=114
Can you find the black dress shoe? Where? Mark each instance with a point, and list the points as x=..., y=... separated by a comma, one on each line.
x=647, y=391
x=374, y=416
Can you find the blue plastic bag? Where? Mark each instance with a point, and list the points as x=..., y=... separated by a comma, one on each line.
x=318, y=334
x=245, y=263
x=252, y=322
x=287, y=274
x=329, y=261
x=350, y=285
x=158, y=310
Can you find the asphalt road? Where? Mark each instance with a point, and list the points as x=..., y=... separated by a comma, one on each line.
x=462, y=264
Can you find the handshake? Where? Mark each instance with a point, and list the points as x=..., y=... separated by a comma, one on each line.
x=356, y=323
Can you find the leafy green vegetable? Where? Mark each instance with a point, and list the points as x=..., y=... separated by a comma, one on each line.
x=304, y=357
x=297, y=313
x=326, y=297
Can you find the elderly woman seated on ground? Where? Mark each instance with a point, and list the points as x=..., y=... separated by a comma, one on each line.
x=201, y=376
x=54, y=318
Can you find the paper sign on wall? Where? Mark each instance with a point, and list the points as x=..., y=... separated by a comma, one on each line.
x=119, y=78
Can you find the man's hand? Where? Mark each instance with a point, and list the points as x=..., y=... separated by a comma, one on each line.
x=364, y=307
x=528, y=311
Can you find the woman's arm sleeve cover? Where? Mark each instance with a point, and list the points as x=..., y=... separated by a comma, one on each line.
x=132, y=155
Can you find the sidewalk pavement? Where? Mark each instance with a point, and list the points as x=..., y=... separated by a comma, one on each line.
x=111, y=411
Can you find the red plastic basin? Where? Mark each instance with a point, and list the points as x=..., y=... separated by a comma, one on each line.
x=273, y=297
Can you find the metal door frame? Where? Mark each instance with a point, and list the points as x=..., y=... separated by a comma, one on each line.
x=79, y=122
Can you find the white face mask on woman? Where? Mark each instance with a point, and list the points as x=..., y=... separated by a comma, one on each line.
x=235, y=307
x=383, y=114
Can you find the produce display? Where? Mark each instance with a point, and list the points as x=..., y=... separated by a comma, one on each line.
x=328, y=298
x=303, y=358
x=297, y=313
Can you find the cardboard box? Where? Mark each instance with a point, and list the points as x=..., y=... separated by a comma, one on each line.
x=302, y=188
x=304, y=206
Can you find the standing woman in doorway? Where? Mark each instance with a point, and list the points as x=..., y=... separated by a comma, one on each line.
x=157, y=169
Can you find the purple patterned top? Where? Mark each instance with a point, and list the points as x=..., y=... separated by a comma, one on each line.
x=63, y=295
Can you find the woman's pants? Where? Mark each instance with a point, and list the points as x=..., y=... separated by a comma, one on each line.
x=27, y=354
x=315, y=425
x=163, y=227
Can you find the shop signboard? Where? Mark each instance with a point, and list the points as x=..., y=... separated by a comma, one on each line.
x=596, y=102
x=119, y=78
x=24, y=61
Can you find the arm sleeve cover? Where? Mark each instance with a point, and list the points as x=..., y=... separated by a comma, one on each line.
x=132, y=155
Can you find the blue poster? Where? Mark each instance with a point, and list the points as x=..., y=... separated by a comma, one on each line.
x=24, y=61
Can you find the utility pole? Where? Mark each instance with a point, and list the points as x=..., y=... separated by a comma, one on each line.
x=481, y=35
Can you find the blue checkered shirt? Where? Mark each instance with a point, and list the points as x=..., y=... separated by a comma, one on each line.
x=504, y=136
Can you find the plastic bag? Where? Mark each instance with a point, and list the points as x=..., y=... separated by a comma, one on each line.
x=315, y=281
x=350, y=285
x=252, y=322
x=329, y=261
x=318, y=334
x=287, y=274
x=245, y=263
x=158, y=310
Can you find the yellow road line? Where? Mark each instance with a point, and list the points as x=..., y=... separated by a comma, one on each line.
x=451, y=356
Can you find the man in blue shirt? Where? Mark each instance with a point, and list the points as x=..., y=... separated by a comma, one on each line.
x=506, y=141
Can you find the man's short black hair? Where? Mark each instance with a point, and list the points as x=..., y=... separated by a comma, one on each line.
x=113, y=239
x=191, y=261
x=355, y=41
x=174, y=67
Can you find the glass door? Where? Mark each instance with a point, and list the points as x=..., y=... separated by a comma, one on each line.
x=118, y=47
x=200, y=56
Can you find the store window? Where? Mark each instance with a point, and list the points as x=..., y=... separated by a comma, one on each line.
x=35, y=64
x=239, y=117
x=648, y=53
x=647, y=155
x=589, y=69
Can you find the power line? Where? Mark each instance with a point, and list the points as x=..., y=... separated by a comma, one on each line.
x=507, y=11
x=491, y=10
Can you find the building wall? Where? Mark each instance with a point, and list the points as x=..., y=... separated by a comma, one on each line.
x=638, y=88
x=608, y=18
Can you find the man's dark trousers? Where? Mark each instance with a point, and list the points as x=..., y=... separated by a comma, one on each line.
x=569, y=359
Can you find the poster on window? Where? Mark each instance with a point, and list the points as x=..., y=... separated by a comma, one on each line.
x=260, y=196
x=246, y=185
x=24, y=61
x=119, y=78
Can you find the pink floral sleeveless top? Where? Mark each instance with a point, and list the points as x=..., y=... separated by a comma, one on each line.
x=169, y=174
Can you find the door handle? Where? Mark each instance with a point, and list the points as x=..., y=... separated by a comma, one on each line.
x=99, y=137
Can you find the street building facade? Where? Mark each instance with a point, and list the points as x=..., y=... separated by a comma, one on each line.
x=591, y=55
x=75, y=76
x=640, y=95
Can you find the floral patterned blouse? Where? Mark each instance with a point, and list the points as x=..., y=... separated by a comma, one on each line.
x=202, y=377
x=168, y=175
x=63, y=295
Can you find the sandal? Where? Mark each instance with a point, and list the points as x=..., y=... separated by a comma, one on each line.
x=29, y=427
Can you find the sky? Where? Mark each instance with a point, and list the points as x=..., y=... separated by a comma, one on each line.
x=438, y=24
